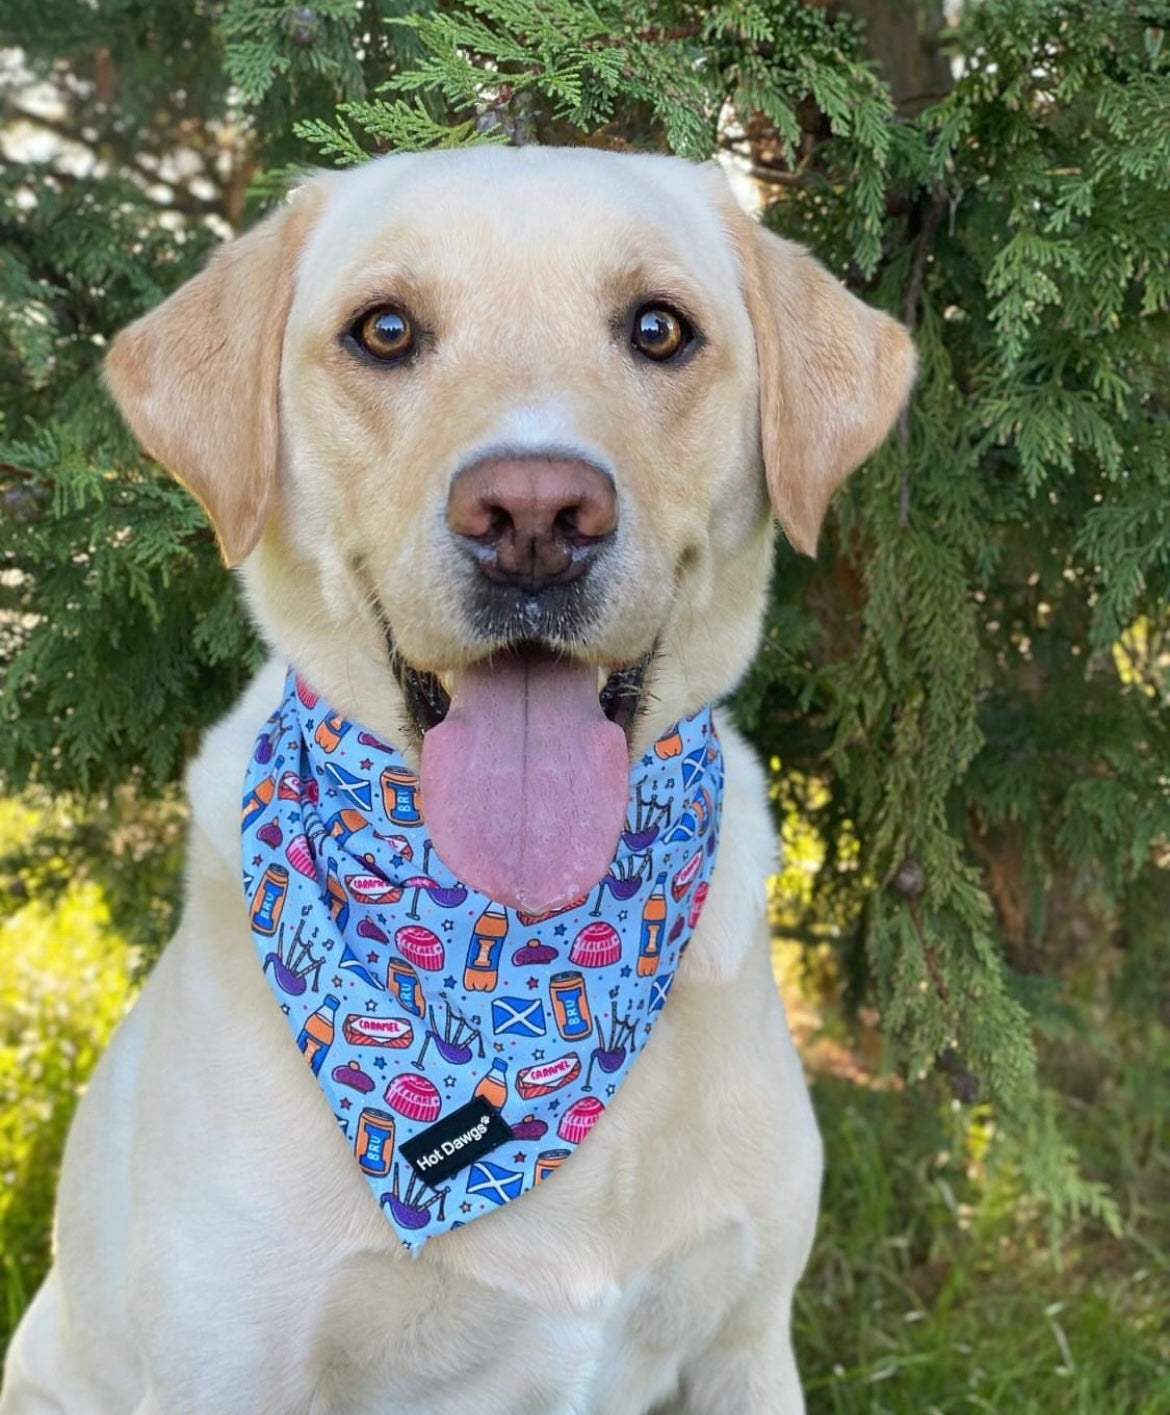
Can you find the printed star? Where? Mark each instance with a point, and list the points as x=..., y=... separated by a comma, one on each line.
x=626, y=971
x=560, y=930
x=346, y=1103
x=532, y=983
x=337, y=982
x=465, y=1207
x=380, y=1062
x=609, y=1090
x=448, y=925
x=538, y=1056
x=365, y=763
x=519, y=1158
x=371, y=957
x=448, y=982
x=623, y=915
x=397, y=861
x=554, y=1105
x=499, y=1046
x=371, y=1006
x=646, y=1028
x=294, y=815
x=284, y=1008
x=448, y=1081
x=257, y=859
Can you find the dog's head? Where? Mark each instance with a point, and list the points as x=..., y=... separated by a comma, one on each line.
x=501, y=427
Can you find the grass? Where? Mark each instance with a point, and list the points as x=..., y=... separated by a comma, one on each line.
x=935, y=1285
x=934, y=1288
x=66, y=978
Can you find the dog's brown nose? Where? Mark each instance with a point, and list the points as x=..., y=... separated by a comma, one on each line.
x=532, y=521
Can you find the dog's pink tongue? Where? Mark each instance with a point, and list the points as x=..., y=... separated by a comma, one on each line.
x=524, y=783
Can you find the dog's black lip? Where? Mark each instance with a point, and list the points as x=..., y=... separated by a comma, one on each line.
x=427, y=701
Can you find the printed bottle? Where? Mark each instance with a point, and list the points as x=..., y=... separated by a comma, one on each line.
x=257, y=801
x=494, y=1086
x=316, y=1036
x=483, y=953
x=653, y=919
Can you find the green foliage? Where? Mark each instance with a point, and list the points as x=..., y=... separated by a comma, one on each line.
x=584, y=71
x=929, y=1289
x=966, y=694
x=66, y=978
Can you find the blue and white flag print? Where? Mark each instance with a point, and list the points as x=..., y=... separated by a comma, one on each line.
x=518, y=1016
x=492, y=1182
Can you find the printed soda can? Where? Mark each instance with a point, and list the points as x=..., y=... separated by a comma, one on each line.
x=330, y=731
x=268, y=901
x=335, y=899
x=402, y=981
x=548, y=1161
x=374, y=1145
x=570, y=1005
x=342, y=824
x=400, y=796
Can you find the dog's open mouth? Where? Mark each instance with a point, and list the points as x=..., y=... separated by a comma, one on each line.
x=525, y=770
x=427, y=700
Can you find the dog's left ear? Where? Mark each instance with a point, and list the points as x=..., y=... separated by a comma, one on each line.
x=198, y=378
x=834, y=375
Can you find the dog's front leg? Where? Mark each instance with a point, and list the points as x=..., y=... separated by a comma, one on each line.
x=749, y=1369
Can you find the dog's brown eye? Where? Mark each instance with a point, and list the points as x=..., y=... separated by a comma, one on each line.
x=659, y=333
x=385, y=334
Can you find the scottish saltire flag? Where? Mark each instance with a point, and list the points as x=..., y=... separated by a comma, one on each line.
x=490, y=1181
x=353, y=964
x=357, y=788
x=518, y=1016
x=659, y=988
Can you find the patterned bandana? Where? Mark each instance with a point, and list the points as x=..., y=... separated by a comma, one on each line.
x=466, y=1049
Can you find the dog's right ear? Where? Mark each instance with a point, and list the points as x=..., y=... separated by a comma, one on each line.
x=198, y=378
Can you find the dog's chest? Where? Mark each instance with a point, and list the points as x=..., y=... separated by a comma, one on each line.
x=615, y=1351
x=585, y=1297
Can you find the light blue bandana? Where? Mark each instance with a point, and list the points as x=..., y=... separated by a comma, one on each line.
x=466, y=1049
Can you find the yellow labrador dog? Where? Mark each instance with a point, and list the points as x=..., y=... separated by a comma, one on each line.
x=516, y=415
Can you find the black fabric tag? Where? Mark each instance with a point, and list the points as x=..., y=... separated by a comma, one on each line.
x=459, y=1139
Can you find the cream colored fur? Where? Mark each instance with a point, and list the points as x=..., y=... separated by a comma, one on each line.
x=214, y=1259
